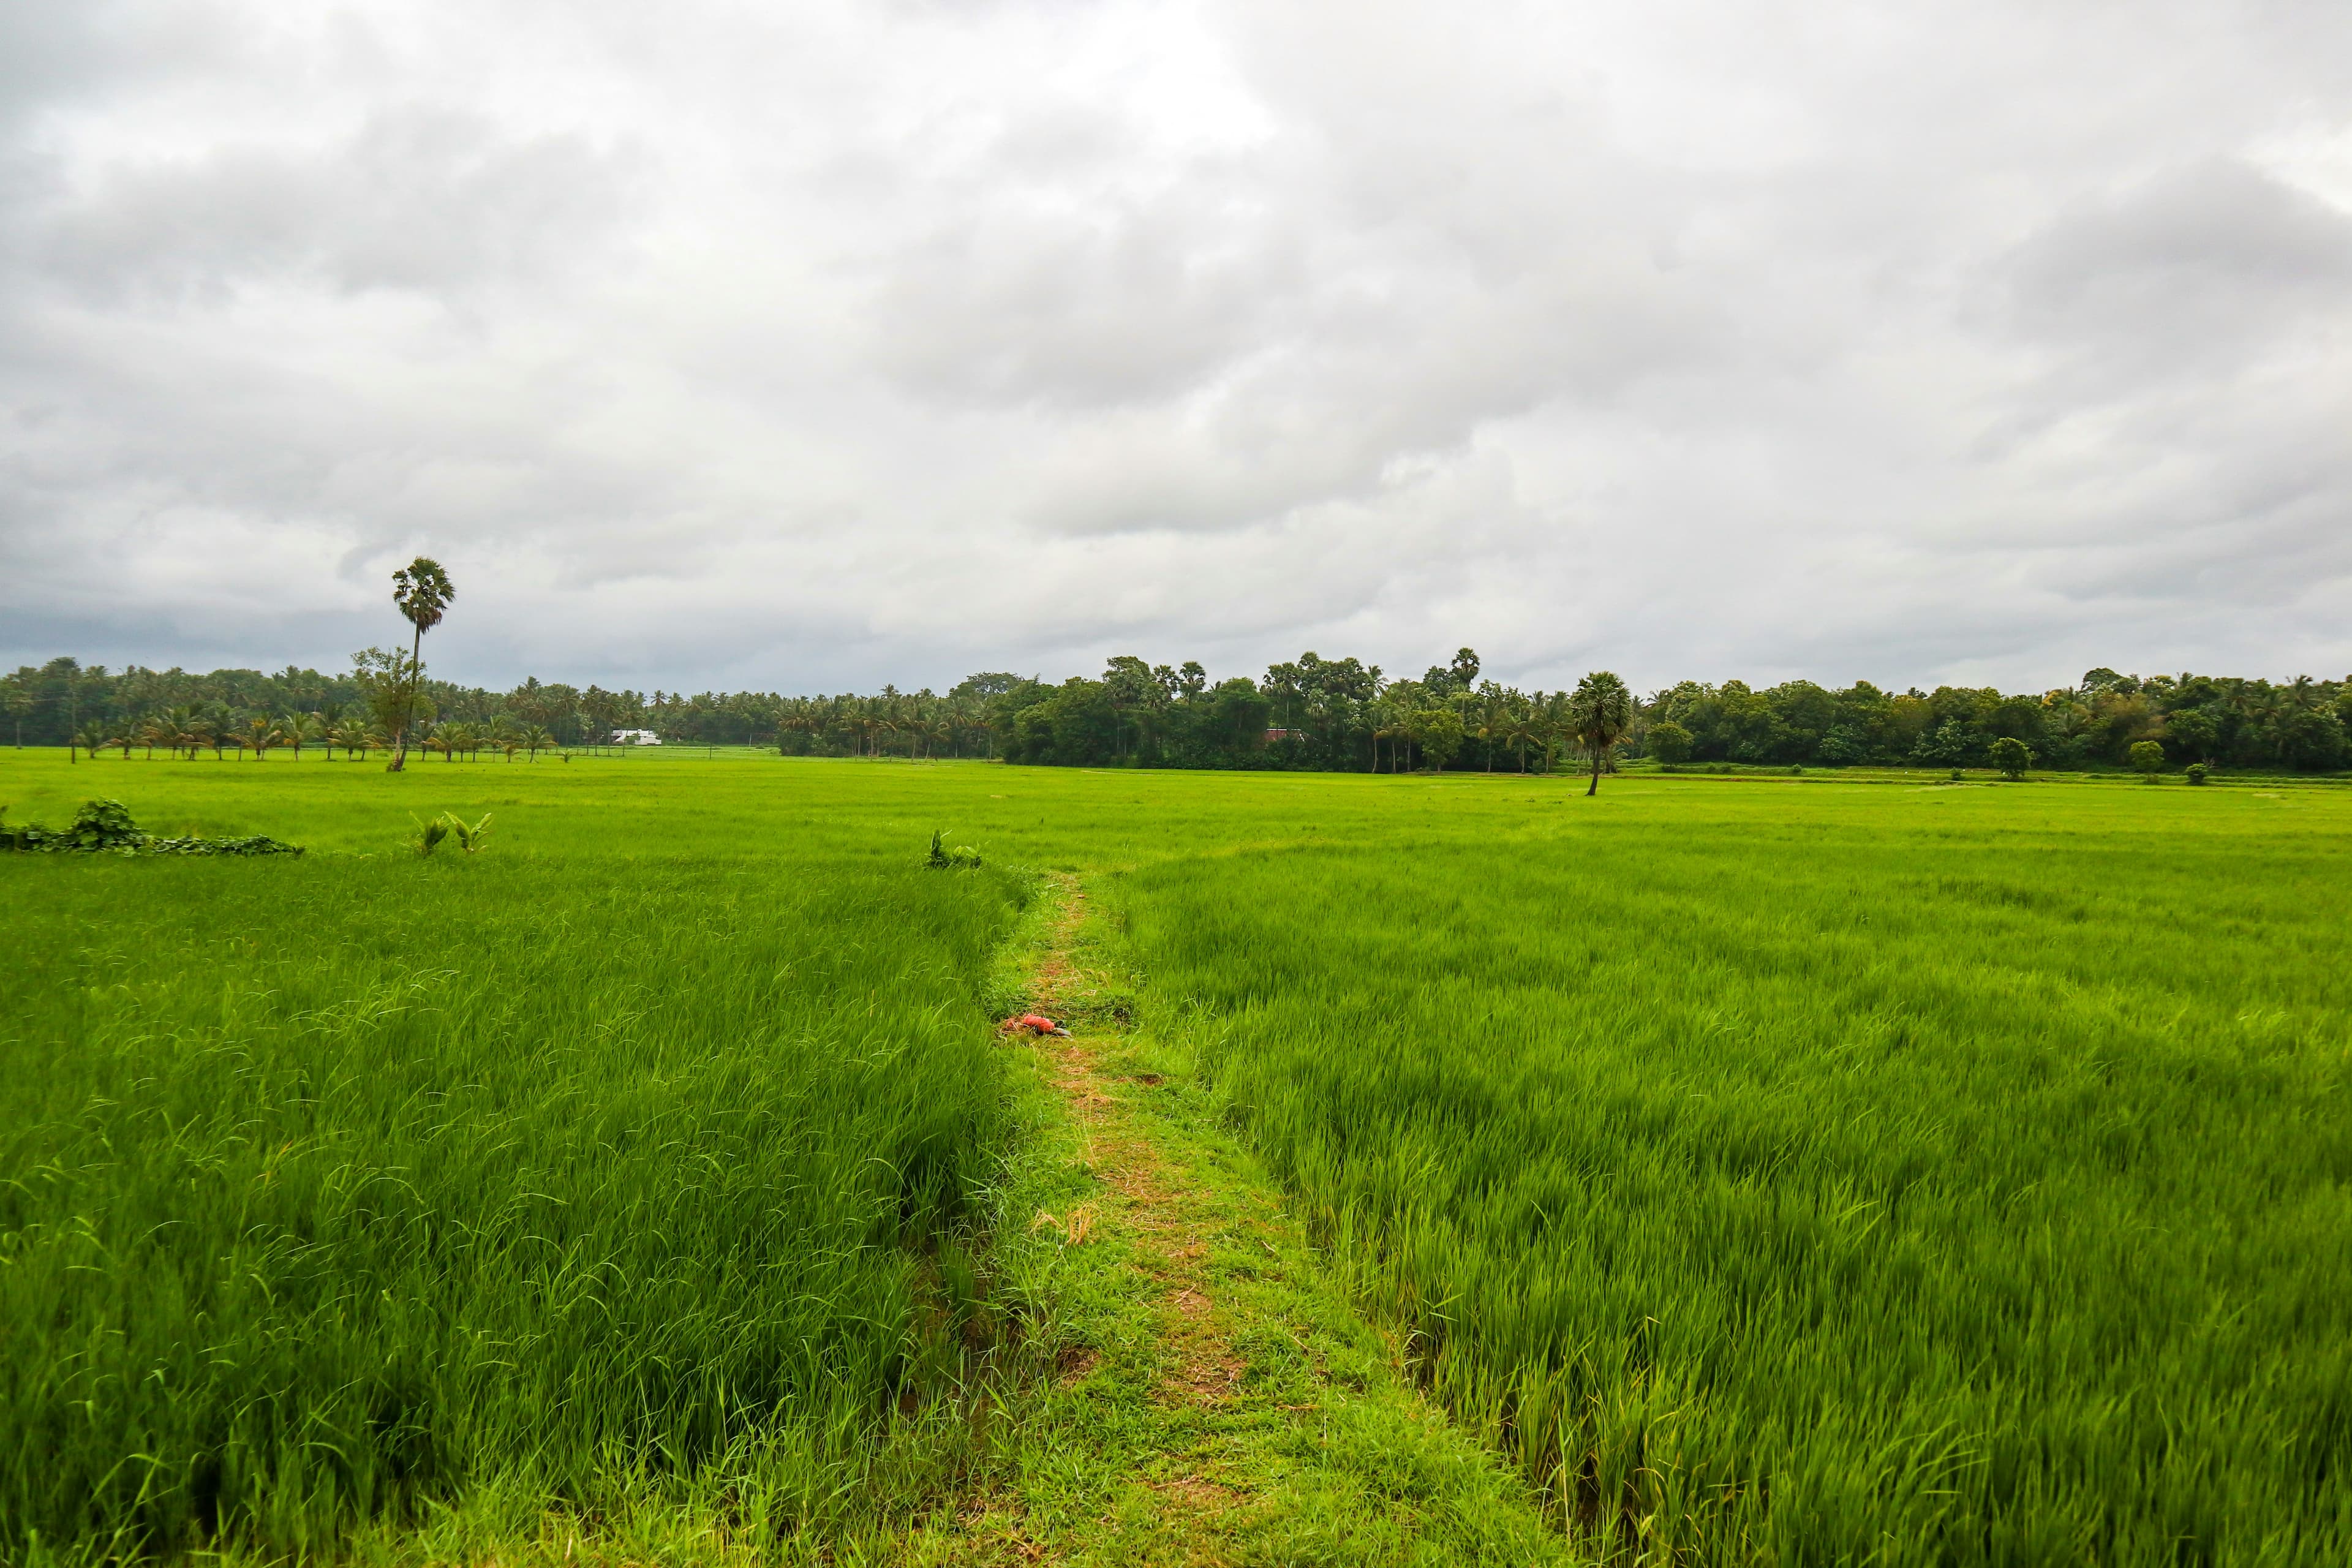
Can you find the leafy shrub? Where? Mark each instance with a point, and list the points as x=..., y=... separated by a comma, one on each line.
x=105, y=828
x=2011, y=756
x=1670, y=743
x=2148, y=756
x=2196, y=773
x=962, y=857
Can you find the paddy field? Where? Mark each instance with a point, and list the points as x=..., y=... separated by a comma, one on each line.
x=1746, y=1171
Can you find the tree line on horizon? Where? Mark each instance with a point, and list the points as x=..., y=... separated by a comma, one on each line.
x=1310, y=713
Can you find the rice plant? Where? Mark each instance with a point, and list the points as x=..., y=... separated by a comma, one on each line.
x=1821, y=1175
x=339, y=1188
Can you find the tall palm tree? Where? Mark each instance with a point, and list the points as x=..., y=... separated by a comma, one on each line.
x=1598, y=715
x=422, y=591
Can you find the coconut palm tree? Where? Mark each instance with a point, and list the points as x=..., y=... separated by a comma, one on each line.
x=177, y=728
x=1494, y=718
x=258, y=733
x=1598, y=715
x=535, y=740
x=1523, y=729
x=422, y=591
x=91, y=738
x=1381, y=715
x=293, y=729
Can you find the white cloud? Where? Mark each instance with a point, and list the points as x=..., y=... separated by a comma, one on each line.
x=845, y=343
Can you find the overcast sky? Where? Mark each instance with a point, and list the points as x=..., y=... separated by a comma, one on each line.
x=808, y=346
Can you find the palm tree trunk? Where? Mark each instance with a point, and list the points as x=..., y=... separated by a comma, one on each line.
x=408, y=714
x=1595, y=788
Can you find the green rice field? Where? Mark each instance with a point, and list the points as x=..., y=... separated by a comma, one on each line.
x=1776, y=1171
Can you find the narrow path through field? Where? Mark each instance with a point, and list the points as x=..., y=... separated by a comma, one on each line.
x=1171, y=1213
x=1215, y=1399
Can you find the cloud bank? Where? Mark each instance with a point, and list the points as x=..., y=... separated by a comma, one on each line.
x=801, y=348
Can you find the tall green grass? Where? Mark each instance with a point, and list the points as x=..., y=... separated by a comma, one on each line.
x=1804, y=1175
x=1785, y=1171
x=337, y=1190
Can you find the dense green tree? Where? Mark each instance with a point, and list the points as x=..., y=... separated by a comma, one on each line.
x=989, y=684
x=1949, y=744
x=1803, y=715
x=2311, y=738
x=2011, y=756
x=1670, y=743
x=2193, y=733
x=1843, y=746
x=1437, y=733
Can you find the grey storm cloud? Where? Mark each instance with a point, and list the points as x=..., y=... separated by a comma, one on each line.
x=834, y=344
